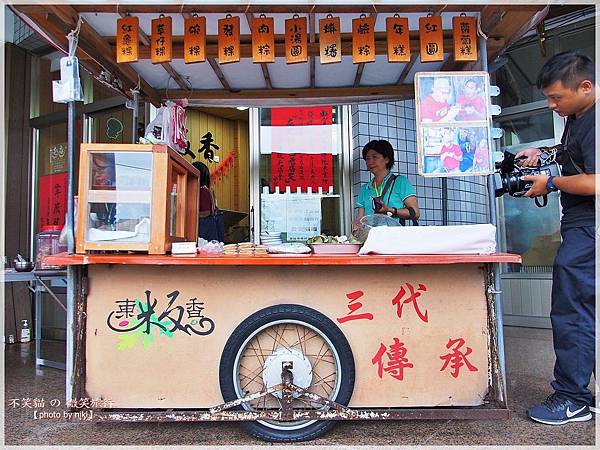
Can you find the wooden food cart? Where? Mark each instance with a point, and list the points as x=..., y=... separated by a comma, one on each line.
x=288, y=339
x=287, y=344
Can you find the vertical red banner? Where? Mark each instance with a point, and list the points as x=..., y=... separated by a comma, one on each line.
x=301, y=170
x=52, y=195
x=314, y=115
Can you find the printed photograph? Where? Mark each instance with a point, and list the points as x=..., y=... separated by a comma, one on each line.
x=459, y=151
x=446, y=97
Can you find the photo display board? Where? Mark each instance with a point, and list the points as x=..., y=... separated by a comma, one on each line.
x=453, y=124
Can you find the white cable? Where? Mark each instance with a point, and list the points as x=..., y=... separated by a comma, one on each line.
x=479, y=30
x=73, y=37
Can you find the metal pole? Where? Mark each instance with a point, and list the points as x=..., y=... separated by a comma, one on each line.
x=444, y=201
x=70, y=249
x=496, y=268
x=71, y=163
x=134, y=119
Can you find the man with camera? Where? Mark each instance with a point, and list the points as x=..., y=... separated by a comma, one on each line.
x=567, y=80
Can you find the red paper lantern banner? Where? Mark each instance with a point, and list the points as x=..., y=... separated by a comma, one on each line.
x=223, y=169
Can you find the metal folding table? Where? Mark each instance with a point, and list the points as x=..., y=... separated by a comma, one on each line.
x=41, y=279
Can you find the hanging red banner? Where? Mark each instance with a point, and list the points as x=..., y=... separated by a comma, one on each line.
x=301, y=170
x=194, y=39
x=464, y=30
x=161, y=41
x=313, y=115
x=52, y=194
x=127, y=39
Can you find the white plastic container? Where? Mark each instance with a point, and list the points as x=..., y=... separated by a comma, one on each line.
x=25, y=332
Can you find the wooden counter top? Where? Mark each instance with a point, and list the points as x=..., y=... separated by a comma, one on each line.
x=278, y=260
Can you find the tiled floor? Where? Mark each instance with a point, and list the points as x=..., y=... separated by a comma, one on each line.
x=529, y=363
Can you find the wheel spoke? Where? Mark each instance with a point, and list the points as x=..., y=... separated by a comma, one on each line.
x=318, y=358
x=257, y=373
x=305, y=339
x=300, y=340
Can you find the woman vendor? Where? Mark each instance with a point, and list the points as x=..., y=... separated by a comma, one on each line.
x=386, y=193
x=210, y=219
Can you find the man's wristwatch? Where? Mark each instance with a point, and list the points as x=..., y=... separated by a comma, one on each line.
x=550, y=184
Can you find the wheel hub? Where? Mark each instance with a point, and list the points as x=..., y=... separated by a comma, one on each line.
x=297, y=363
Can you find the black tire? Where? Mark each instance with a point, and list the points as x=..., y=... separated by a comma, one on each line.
x=250, y=330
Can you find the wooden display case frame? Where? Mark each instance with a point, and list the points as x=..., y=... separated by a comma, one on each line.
x=168, y=168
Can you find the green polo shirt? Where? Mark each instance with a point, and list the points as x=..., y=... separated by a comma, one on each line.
x=394, y=197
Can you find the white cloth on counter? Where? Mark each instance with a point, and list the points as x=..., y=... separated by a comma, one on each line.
x=141, y=233
x=440, y=240
x=289, y=247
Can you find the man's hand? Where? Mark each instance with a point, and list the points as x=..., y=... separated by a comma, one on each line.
x=532, y=154
x=539, y=185
x=452, y=113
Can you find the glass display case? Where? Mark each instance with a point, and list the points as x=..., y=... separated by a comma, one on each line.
x=135, y=197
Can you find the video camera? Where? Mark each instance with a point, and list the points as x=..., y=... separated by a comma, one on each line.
x=509, y=172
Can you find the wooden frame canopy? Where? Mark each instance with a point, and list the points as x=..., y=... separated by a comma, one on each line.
x=245, y=83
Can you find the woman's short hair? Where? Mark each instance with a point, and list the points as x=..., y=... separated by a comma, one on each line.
x=204, y=173
x=382, y=147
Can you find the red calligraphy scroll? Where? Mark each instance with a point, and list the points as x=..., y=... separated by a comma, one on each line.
x=52, y=194
x=290, y=117
x=301, y=170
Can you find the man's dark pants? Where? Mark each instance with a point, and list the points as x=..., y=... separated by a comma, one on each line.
x=573, y=313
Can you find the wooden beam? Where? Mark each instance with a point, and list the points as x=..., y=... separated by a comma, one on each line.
x=219, y=73
x=312, y=40
x=359, y=71
x=263, y=66
x=361, y=66
x=290, y=9
x=250, y=94
x=176, y=76
x=51, y=32
x=509, y=24
x=407, y=68
x=95, y=45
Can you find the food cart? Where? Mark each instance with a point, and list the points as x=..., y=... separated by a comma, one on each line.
x=286, y=343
